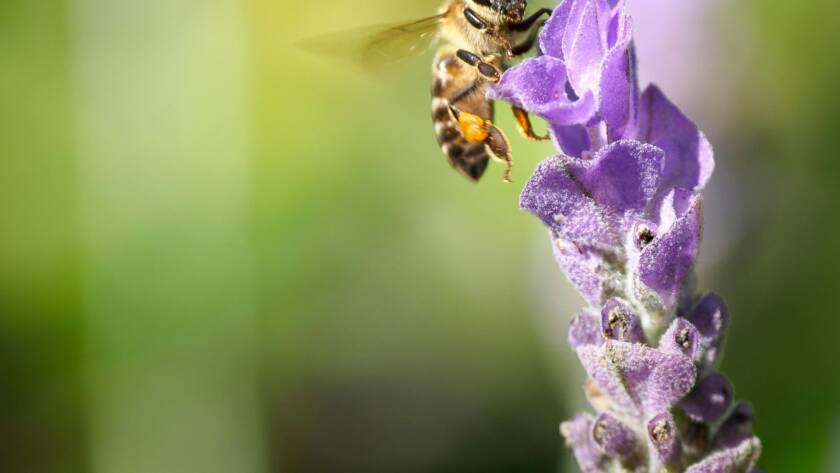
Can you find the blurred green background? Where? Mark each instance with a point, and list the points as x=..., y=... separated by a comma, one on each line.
x=221, y=254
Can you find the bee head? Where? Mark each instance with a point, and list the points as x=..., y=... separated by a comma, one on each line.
x=511, y=9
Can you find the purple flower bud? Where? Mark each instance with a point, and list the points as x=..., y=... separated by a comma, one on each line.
x=711, y=317
x=584, y=330
x=578, y=434
x=639, y=380
x=709, y=399
x=664, y=438
x=613, y=437
x=681, y=337
x=736, y=459
x=620, y=323
x=736, y=428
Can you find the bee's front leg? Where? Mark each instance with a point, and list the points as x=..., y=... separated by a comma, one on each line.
x=526, y=45
x=487, y=70
x=527, y=23
x=523, y=122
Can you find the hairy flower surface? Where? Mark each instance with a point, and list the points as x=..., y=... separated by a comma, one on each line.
x=623, y=205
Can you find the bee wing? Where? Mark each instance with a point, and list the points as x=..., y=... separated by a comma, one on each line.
x=377, y=46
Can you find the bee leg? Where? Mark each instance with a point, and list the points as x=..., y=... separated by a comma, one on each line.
x=481, y=25
x=499, y=147
x=478, y=130
x=488, y=71
x=527, y=23
x=523, y=122
x=472, y=127
x=473, y=19
x=464, y=92
x=526, y=45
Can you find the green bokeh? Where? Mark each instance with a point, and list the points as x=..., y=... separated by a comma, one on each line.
x=219, y=253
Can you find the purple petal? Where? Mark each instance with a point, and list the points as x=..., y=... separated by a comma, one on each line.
x=612, y=16
x=623, y=175
x=618, y=89
x=664, y=439
x=709, y=399
x=556, y=196
x=639, y=379
x=581, y=265
x=551, y=36
x=584, y=201
x=738, y=459
x=539, y=86
x=571, y=30
x=681, y=337
x=689, y=158
x=586, y=50
x=613, y=437
x=577, y=112
x=578, y=434
x=620, y=323
x=592, y=38
x=669, y=205
x=573, y=140
x=533, y=83
x=591, y=270
x=585, y=330
x=667, y=261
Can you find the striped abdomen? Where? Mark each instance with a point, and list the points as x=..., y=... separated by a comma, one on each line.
x=451, y=76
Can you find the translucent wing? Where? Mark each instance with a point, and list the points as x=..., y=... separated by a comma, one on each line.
x=381, y=45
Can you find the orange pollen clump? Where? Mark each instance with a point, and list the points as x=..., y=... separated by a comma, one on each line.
x=473, y=127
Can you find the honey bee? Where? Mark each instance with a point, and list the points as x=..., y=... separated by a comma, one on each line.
x=479, y=41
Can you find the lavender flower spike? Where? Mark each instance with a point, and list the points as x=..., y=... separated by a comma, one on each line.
x=623, y=205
